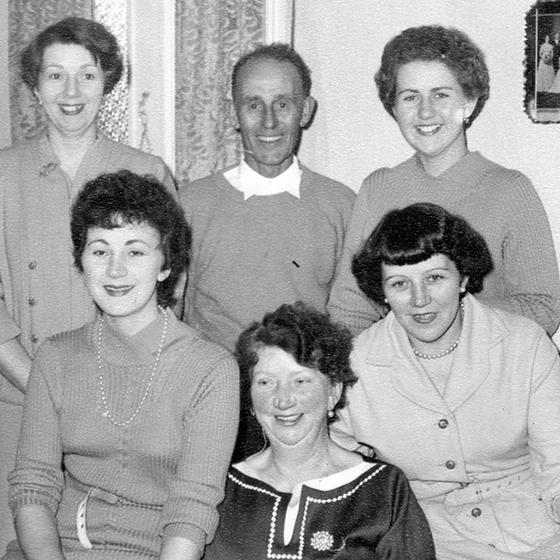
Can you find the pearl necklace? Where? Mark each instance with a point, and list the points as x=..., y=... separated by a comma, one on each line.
x=436, y=356
x=107, y=413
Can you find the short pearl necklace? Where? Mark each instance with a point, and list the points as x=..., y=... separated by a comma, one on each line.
x=445, y=352
x=436, y=356
x=107, y=412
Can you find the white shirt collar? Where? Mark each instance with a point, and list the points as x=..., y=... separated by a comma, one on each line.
x=251, y=183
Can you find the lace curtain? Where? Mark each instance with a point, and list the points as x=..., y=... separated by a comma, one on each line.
x=27, y=18
x=210, y=37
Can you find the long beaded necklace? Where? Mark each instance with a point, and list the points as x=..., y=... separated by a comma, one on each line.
x=107, y=412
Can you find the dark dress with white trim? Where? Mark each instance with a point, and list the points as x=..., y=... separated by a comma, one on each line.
x=373, y=515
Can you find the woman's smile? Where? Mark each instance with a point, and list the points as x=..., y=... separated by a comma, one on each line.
x=428, y=130
x=118, y=291
x=290, y=420
x=424, y=318
x=71, y=109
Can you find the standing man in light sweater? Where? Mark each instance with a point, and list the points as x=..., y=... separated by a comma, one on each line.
x=269, y=230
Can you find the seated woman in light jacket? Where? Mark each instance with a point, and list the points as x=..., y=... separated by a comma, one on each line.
x=463, y=397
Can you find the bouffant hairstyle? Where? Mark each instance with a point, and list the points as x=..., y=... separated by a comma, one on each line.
x=89, y=34
x=116, y=199
x=312, y=339
x=415, y=234
x=434, y=42
x=281, y=52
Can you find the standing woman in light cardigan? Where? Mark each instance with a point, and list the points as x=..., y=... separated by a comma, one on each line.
x=129, y=421
x=70, y=66
x=434, y=82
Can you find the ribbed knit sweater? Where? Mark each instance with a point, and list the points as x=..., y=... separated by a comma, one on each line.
x=250, y=256
x=499, y=203
x=41, y=291
x=171, y=460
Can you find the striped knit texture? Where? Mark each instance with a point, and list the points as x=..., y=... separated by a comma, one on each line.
x=499, y=203
x=250, y=256
x=171, y=460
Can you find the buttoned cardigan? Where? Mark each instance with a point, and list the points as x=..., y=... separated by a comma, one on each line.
x=41, y=292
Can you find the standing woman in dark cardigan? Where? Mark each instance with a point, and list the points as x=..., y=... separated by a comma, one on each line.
x=434, y=82
x=70, y=67
x=129, y=421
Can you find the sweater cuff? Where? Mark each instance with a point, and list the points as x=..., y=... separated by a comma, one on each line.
x=36, y=499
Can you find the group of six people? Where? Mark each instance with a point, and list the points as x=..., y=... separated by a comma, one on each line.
x=257, y=426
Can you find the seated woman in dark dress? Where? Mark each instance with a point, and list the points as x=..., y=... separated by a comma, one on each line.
x=303, y=496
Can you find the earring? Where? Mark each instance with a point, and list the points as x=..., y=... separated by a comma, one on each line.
x=330, y=414
x=252, y=411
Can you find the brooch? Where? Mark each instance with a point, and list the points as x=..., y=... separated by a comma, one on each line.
x=322, y=540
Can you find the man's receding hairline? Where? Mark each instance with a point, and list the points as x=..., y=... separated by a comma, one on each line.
x=268, y=57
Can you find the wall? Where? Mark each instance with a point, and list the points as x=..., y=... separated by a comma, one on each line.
x=352, y=135
x=152, y=51
x=5, y=135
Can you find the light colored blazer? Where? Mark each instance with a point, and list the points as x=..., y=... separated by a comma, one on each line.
x=499, y=416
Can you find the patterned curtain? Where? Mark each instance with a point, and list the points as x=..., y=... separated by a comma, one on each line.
x=211, y=35
x=27, y=18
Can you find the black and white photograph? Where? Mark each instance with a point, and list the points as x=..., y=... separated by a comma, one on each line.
x=542, y=47
x=279, y=280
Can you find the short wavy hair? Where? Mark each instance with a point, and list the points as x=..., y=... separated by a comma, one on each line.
x=282, y=52
x=414, y=234
x=309, y=336
x=93, y=36
x=435, y=42
x=112, y=199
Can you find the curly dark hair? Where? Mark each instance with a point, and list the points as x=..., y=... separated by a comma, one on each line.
x=89, y=34
x=312, y=339
x=281, y=52
x=434, y=42
x=125, y=197
x=414, y=234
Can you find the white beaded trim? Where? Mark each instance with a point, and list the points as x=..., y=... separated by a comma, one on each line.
x=308, y=501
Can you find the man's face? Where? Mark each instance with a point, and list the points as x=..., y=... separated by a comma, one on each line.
x=271, y=109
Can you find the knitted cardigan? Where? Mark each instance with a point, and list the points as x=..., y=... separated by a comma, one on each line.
x=41, y=292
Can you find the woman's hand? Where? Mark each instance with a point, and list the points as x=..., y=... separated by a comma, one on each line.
x=179, y=548
x=37, y=533
x=15, y=363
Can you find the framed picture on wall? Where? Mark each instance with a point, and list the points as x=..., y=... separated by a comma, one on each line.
x=542, y=62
